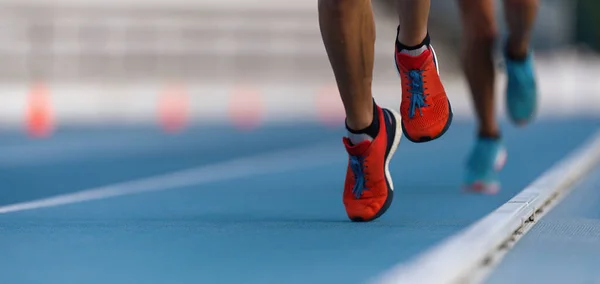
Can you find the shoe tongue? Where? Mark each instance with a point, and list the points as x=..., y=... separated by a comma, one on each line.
x=358, y=149
x=413, y=62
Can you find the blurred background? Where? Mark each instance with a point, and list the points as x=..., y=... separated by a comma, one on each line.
x=133, y=61
x=107, y=83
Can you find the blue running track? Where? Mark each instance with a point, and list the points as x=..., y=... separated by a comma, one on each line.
x=564, y=247
x=282, y=223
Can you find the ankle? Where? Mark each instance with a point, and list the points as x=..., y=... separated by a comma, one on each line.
x=355, y=124
x=367, y=130
x=489, y=133
x=411, y=45
x=516, y=50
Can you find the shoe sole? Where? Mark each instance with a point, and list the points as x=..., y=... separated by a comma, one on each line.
x=481, y=187
x=423, y=139
x=521, y=122
x=389, y=153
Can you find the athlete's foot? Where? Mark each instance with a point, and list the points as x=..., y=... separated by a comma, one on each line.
x=486, y=159
x=425, y=108
x=521, y=90
x=368, y=190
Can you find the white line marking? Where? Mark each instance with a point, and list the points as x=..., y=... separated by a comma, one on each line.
x=280, y=161
x=61, y=150
x=462, y=257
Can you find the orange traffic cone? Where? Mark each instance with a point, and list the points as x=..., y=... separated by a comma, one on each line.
x=246, y=108
x=39, y=118
x=173, y=109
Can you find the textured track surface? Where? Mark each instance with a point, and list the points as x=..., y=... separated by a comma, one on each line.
x=278, y=225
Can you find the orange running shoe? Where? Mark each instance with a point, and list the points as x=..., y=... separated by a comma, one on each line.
x=425, y=108
x=368, y=190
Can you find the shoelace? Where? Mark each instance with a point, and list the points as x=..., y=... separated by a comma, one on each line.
x=417, y=98
x=357, y=166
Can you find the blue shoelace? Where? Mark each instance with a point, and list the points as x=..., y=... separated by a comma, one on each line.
x=417, y=98
x=357, y=166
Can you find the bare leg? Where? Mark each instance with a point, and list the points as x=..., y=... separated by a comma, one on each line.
x=520, y=17
x=412, y=16
x=348, y=31
x=480, y=33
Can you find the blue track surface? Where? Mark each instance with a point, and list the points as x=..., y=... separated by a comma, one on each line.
x=285, y=227
x=564, y=247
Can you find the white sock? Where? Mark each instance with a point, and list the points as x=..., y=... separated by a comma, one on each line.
x=414, y=52
x=359, y=138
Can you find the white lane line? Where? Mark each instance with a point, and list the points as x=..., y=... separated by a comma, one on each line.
x=269, y=163
x=72, y=148
x=468, y=256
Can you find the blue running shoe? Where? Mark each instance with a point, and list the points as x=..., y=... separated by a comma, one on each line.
x=483, y=164
x=521, y=90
